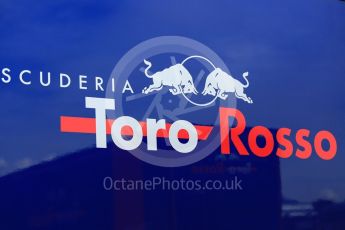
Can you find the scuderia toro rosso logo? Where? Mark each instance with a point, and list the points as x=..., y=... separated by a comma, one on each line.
x=171, y=101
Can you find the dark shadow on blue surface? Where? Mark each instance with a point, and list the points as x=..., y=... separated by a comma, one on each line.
x=68, y=193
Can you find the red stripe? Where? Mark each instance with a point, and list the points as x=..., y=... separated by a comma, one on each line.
x=88, y=125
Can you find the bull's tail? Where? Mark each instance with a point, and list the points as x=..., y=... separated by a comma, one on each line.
x=245, y=75
x=147, y=68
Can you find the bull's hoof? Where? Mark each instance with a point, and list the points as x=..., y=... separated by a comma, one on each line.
x=174, y=91
x=223, y=96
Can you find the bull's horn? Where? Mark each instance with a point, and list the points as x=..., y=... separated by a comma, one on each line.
x=195, y=91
